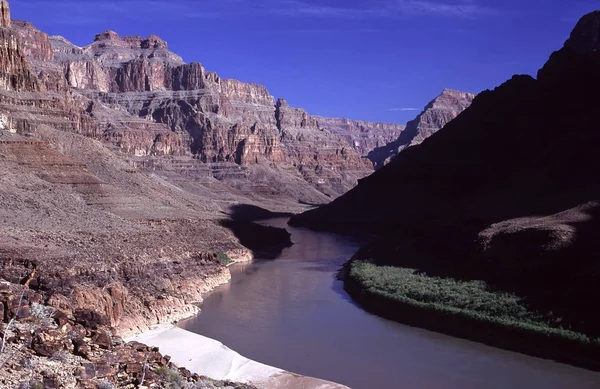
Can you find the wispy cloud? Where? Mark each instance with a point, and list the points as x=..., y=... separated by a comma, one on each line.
x=407, y=109
x=386, y=9
x=447, y=8
x=80, y=12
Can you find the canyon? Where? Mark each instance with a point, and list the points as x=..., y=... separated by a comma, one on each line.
x=122, y=169
x=143, y=100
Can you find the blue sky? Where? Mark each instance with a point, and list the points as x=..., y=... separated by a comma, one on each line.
x=371, y=60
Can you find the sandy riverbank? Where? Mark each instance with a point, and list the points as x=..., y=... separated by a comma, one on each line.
x=211, y=358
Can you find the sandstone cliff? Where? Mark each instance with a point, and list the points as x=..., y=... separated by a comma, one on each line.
x=363, y=136
x=15, y=74
x=322, y=157
x=191, y=112
x=439, y=112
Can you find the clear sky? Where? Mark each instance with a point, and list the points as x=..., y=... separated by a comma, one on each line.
x=363, y=59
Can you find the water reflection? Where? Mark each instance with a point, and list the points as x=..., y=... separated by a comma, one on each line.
x=292, y=313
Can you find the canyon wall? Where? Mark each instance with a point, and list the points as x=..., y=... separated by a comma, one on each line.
x=439, y=112
x=165, y=107
x=362, y=135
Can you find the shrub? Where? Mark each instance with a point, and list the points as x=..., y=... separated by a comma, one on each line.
x=105, y=385
x=172, y=378
x=224, y=258
x=29, y=363
x=41, y=311
x=62, y=356
x=469, y=299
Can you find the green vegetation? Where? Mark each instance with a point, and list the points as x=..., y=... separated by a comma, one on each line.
x=224, y=258
x=172, y=377
x=450, y=298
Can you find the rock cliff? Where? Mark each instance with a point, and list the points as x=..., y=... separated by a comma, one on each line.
x=15, y=74
x=439, y=112
x=5, y=20
x=324, y=159
x=363, y=136
x=505, y=192
x=179, y=109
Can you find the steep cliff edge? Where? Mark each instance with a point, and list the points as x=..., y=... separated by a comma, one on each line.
x=439, y=112
x=15, y=74
x=194, y=113
x=505, y=192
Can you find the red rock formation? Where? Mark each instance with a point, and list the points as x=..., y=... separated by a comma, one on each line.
x=135, y=94
x=14, y=70
x=363, y=136
x=34, y=43
x=223, y=120
x=5, y=21
x=324, y=159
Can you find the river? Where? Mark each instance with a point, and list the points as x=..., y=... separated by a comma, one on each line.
x=292, y=313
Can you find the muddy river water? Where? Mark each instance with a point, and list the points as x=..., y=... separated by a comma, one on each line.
x=292, y=313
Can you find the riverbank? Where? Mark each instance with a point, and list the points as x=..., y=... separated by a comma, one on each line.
x=448, y=306
x=208, y=357
x=46, y=347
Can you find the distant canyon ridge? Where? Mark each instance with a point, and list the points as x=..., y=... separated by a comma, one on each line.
x=145, y=102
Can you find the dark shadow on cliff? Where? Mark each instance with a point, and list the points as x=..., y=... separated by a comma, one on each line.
x=252, y=213
x=563, y=280
x=266, y=242
x=379, y=155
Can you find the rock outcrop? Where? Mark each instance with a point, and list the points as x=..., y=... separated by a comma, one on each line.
x=5, y=20
x=363, y=136
x=34, y=43
x=505, y=192
x=15, y=74
x=54, y=347
x=324, y=159
x=439, y=112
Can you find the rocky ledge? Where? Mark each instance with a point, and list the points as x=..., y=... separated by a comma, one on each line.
x=46, y=347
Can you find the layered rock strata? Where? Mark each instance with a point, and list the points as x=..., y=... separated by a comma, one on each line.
x=210, y=119
x=363, y=136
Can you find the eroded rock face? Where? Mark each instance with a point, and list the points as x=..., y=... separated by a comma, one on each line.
x=5, y=20
x=134, y=94
x=15, y=74
x=34, y=43
x=439, y=112
x=323, y=158
x=70, y=353
x=363, y=136
x=212, y=119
